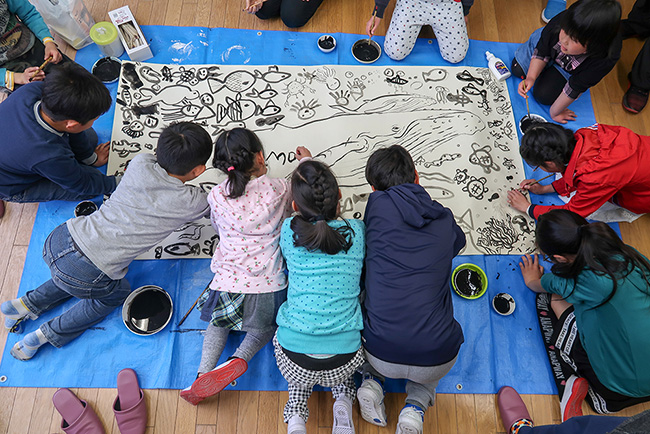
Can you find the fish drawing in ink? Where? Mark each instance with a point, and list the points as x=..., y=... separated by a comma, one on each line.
x=271, y=120
x=397, y=79
x=190, y=230
x=267, y=93
x=236, y=81
x=171, y=95
x=273, y=75
x=269, y=109
x=436, y=74
x=237, y=109
x=183, y=249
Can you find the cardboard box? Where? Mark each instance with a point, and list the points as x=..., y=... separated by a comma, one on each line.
x=130, y=34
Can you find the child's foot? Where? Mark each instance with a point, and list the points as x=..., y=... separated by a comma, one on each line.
x=574, y=393
x=371, y=402
x=553, y=7
x=411, y=420
x=342, y=410
x=15, y=313
x=27, y=348
x=214, y=381
x=296, y=425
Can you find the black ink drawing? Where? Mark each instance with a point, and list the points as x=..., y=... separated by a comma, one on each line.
x=475, y=187
x=182, y=249
x=342, y=114
x=436, y=74
x=481, y=156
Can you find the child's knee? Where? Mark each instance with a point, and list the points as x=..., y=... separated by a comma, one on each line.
x=455, y=55
x=395, y=53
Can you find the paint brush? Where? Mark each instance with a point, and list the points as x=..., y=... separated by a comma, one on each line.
x=374, y=15
x=40, y=68
x=197, y=300
x=526, y=96
x=521, y=190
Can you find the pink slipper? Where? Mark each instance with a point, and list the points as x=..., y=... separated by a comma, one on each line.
x=78, y=416
x=511, y=407
x=129, y=406
x=214, y=381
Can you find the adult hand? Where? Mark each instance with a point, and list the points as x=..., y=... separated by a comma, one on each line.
x=302, y=152
x=252, y=6
x=518, y=201
x=26, y=77
x=51, y=50
x=531, y=271
x=525, y=86
x=533, y=186
x=371, y=25
x=102, y=154
x=564, y=116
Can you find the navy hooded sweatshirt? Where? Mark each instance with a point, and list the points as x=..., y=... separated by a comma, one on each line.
x=408, y=312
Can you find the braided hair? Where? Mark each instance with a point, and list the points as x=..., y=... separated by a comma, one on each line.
x=595, y=246
x=234, y=154
x=316, y=196
x=547, y=142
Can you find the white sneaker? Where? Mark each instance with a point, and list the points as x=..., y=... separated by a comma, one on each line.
x=411, y=421
x=342, y=410
x=371, y=402
x=296, y=425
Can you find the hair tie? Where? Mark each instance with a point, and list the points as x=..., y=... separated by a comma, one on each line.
x=319, y=218
x=231, y=168
x=581, y=228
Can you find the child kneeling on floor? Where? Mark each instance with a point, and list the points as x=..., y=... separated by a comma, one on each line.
x=89, y=256
x=249, y=282
x=318, y=339
x=409, y=326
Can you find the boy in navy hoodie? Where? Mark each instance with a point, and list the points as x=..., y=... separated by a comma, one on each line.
x=409, y=326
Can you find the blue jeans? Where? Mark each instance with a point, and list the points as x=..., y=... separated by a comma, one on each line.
x=46, y=190
x=73, y=275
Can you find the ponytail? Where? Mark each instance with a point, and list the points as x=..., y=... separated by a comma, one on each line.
x=595, y=245
x=316, y=195
x=234, y=154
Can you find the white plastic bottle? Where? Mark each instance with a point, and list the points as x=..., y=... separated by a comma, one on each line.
x=496, y=65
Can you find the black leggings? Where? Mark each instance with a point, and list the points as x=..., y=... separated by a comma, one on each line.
x=548, y=85
x=294, y=13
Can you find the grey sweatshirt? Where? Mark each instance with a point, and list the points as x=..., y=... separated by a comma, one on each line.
x=146, y=207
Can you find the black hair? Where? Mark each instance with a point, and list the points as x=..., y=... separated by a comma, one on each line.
x=388, y=167
x=546, y=141
x=316, y=196
x=595, y=245
x=593, y=23
x=182, y=146
x=72, y=93
x=234, y=154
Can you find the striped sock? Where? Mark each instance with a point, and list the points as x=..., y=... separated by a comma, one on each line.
x=27, y=348
x=514, y=429
x=14, y=312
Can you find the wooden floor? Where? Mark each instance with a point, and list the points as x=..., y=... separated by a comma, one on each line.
x=28, y=410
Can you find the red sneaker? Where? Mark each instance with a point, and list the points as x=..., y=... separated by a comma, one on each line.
x=214, y=381
x=575, y=392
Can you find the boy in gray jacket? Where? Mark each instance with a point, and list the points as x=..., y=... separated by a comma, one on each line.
x=89, y=256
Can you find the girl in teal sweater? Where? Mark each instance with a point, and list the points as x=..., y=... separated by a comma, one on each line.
x=318, y=339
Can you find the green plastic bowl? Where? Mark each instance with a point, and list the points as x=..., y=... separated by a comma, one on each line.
x=475, y=268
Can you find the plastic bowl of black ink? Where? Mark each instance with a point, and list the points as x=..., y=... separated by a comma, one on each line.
x=147, y=310
x=529, y=121
x=503, y=303
x=326, y=43
x=469, y=281
x=85, y=208
x=366, y=50
x=107, y=69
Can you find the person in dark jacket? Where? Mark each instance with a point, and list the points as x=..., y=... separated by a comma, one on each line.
x=409, y=326
x=48, y=145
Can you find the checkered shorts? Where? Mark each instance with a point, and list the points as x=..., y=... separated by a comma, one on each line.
x=302, y=381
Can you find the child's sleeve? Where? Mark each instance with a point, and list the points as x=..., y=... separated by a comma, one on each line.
x=197, y=206
x=82, y=148
x=73, y=176
x=548, y=38
x=380, y=6
x=32, y=19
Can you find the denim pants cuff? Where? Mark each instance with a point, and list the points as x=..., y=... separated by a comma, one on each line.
x=50, y=335
x=34, y=312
